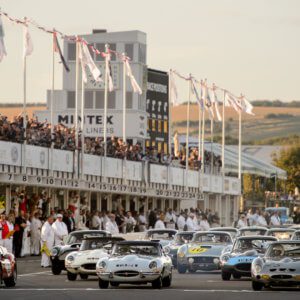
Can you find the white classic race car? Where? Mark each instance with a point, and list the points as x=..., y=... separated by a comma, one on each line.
x=135, y=262
x=83, y=262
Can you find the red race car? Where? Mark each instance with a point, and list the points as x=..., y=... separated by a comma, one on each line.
x=8, y=268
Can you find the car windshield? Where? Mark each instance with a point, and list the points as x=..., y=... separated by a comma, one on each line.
x=248, y=232
x=284, y=250
x=183, y=238
x=92, y=244
x=161, y=235
x=78, y=236
x=281, y=235
x=296, y=236
x=242, y=245
x=232, y=232
x=127, y=249
x=212, y=237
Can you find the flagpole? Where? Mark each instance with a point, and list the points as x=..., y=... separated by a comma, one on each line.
x=240, y=146
x=223, y=136
x=51, y=106
x=105, y=102
x=199, y=134
x=170, y=116
x=124, y=99
x=187, y=133
x=202, y=139
x=24, y=111
x=82, y=123
x=76, y=107
x=211, y=145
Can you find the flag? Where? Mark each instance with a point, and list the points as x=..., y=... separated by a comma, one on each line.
x=57, y=49
x=173, y=89
x=2, y=46
x=247, y=107
x=232, y=101
x=134, y=84
x=28, y=45
x=206, y=100
x=109, y=73
x=195, y=92
x=215, y=104
x=87, y=61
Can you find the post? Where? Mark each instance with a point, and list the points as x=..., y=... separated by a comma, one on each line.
x=124, y=99
x=105, y=102
x=82, y=124
x=211, y=145
x=240, y=146
x=170, y=115
x=187, y=133
x=223, y=136
x=51, y=107
x=202, y=139
x=76, y=106
x=24, y=112
x=199, y=135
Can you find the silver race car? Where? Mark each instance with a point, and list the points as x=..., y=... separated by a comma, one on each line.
x=281, y=233
x=296, y=236
x=203, y=252
x=252, y=230
x=164, y=236
x=279, y=267
x=135, y=262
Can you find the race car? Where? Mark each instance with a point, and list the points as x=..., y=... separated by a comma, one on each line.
x=252, y=230
x=296, y=236
x=245, y=249
x=203, y=252
x=233, y=231
x=279, y=267
x=58, y=253
x=8, y=268
x=164, y=236
x=180, y=239
x=83, y=262
x=281, y=233
x=135, y=262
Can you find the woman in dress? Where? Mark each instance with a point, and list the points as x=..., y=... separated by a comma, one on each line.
x=26, y=238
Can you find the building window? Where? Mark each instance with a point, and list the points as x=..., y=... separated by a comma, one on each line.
x=100, y=47
x=129, y=48
x=71, y=99
x=88, y=99
x=142, y=53
x=111, y=100
x=165, y=147
x=153, y=144
x=153, y=125
x=159, y=147
x=147, y=144
x=166, y=127
x=99, y=100
x=71, y=51
x=129, y=96
x=149, y=124
x=114, y=48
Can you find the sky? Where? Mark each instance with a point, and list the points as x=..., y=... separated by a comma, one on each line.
x=246, y=46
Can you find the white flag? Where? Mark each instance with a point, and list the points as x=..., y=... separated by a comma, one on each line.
x=87, y=61
x=2, y=46
x=231, y=101
x=136, y=88
x=28, y=45
x=173, y=90
x=109, y=73
x=206, y=100
x=247, y=107
x=215, y=104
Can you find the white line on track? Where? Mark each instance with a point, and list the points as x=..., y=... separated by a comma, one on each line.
x=32, y=274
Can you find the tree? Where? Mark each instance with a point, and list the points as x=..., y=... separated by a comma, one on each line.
x=289, y=160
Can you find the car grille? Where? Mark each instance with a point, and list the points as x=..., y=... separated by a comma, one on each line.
x=125, y=273
x=203, y=260
x=282, y=276
x=89, y=266
x=283, y=270
x=244, y=267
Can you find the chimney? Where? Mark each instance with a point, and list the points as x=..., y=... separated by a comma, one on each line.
x=99, y=31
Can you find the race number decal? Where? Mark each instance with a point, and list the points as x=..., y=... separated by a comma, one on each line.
x=197, y=250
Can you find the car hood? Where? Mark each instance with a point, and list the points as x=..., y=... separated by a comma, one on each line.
x=204, y=249
x=130, y=261
x=288, y=262
x=90, y=256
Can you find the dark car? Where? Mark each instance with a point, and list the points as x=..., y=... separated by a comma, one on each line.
x=73, y=242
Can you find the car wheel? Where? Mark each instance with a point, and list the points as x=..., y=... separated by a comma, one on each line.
x=157, y=283
x=84, y=276
x=166, y=282
x=236, y=276
x=71, y=276
x=114, y=284
x=11, y=281
x=56, y=270
x=257, y=286
x=103, y=284
x=181, y=269
x=225, y=275
x=192, y=271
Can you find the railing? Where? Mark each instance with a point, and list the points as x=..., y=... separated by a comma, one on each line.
x=40, y=161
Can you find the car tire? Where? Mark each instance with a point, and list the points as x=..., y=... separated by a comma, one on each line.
x=157, y=283
x=11, y=281
x=114, y=284
x=84, y=276
x=257, y=286
x=166, y=282
x=71, y=276
x=103, y=284
x=56, y=270
x=181, y=269
x=225, y=275
x=192, y=271
x=236, y=276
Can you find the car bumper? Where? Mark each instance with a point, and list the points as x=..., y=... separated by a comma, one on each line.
x=200, y=263
x=142, y=277
x=81, y=270
x=278, y=280
x=237, y=269
x=56, y=262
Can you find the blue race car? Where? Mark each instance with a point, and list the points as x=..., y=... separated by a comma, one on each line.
x=245, y=249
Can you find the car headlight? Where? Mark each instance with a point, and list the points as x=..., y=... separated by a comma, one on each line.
x=257, y=268
x=225, y=258
x=181, y=254
x=102, y=264
x=167, y=250
x=153, y=265
x=70, y=258
x=216, y=261
x=54, y=252
x=191, y=260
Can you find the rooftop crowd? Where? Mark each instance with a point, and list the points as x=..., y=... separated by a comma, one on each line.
x=39, y=134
